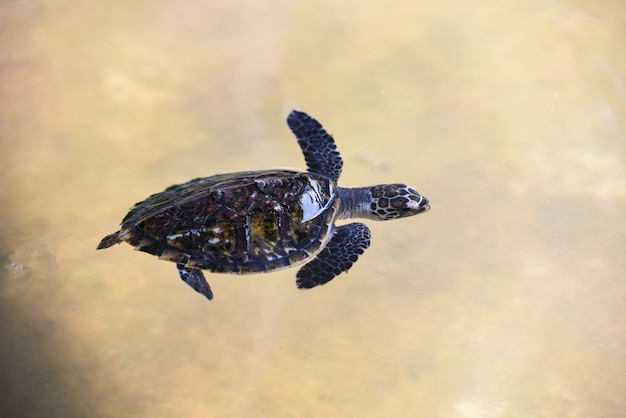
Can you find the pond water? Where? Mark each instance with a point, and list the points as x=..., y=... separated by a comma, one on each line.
x=507, y=299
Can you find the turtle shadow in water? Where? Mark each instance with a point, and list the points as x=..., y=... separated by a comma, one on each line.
x=30, y=261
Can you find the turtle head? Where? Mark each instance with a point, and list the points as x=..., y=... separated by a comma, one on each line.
x=393, y=201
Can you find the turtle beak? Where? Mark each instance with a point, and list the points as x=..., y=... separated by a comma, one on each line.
x=414, y=207
x=422, y=205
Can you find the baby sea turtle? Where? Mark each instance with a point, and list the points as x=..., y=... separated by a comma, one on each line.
x=261, y=221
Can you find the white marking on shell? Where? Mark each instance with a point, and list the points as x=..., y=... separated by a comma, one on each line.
x=311, y=201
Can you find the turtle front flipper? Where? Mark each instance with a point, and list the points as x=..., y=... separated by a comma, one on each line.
x=342, y=251
x=319, y=149
x=195, y=279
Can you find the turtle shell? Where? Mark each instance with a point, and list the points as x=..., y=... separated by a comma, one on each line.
x=247, y=222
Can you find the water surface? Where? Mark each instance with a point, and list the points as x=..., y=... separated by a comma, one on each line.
x=505, y=300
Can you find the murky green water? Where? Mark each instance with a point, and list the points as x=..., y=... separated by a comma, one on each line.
x=506, y=300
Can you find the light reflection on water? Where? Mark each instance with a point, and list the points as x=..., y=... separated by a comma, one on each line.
x=505, y=300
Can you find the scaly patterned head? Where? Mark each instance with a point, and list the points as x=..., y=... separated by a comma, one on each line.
x=393, y=201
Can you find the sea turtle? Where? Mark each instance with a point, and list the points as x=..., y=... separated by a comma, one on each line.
x=261, y=221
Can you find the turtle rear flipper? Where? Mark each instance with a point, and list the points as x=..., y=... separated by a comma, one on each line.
x=109, y=240
x=195, y=279
x=341, y=252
